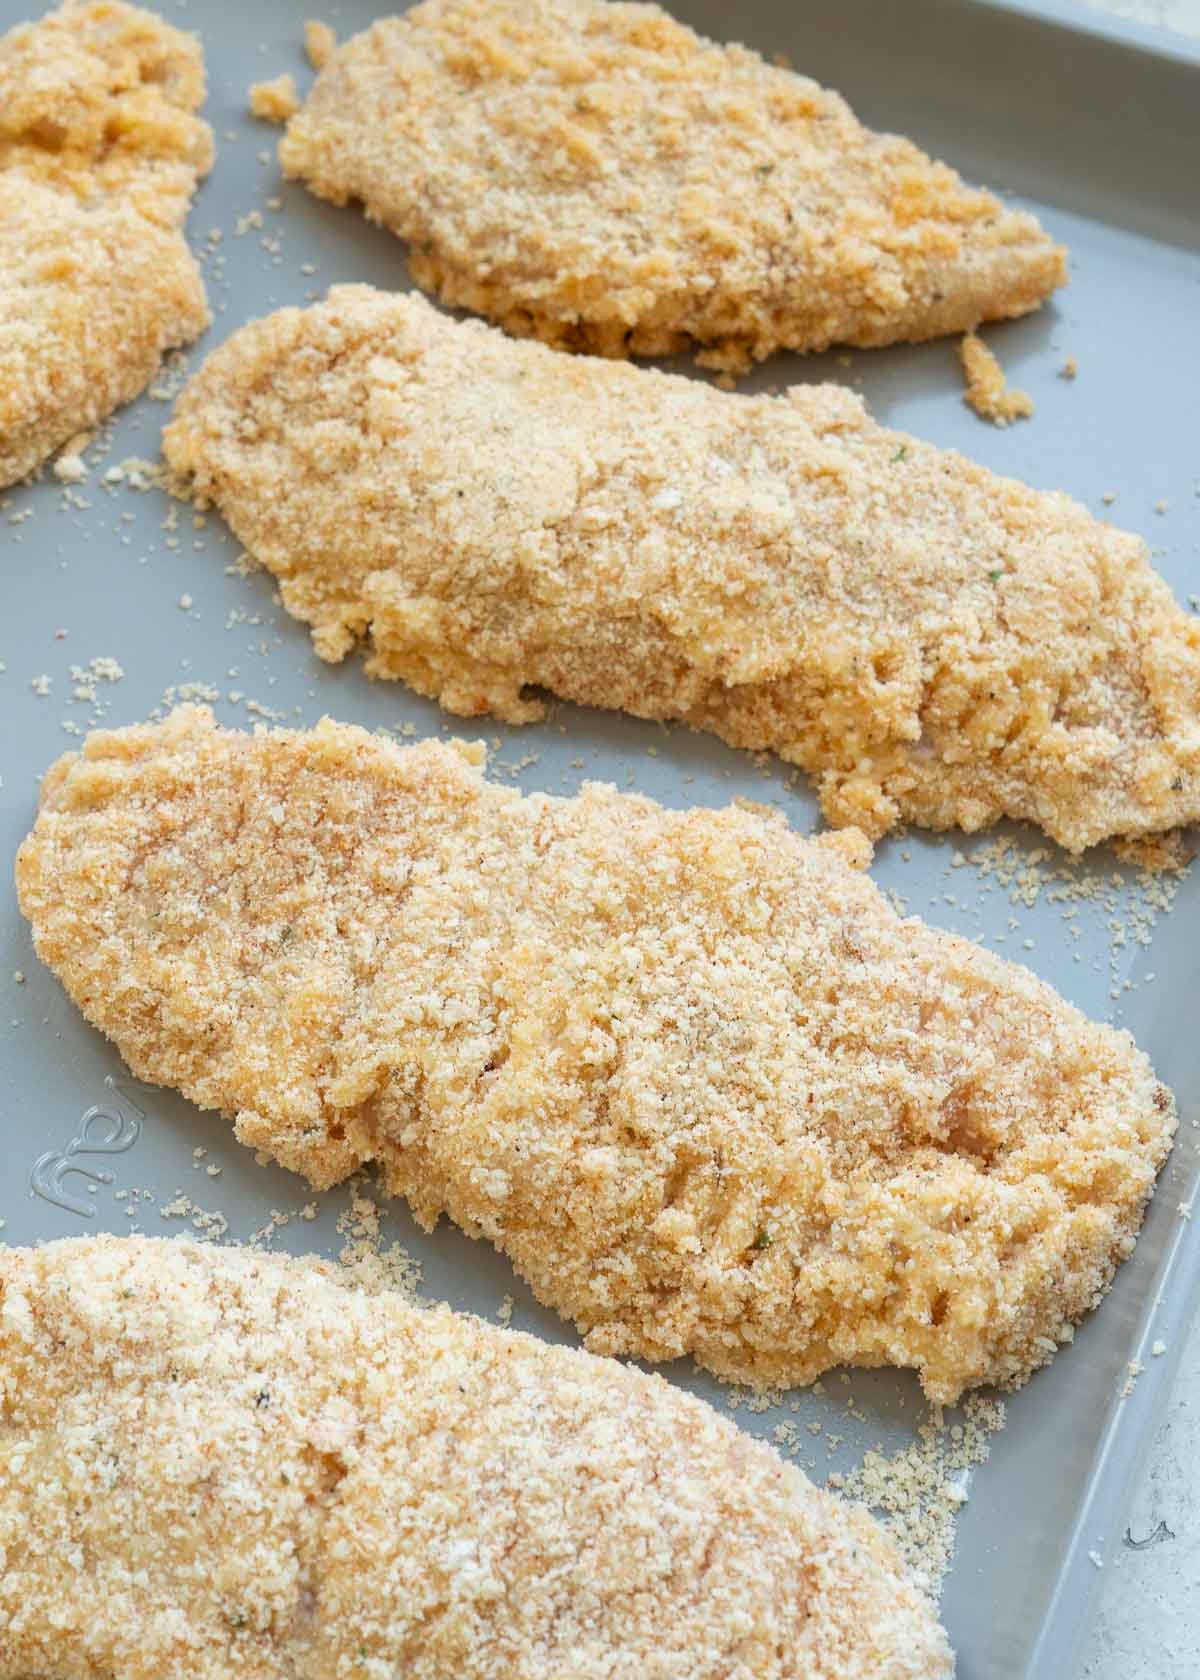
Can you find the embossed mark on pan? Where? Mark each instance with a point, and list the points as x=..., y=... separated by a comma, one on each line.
x=108, y=1128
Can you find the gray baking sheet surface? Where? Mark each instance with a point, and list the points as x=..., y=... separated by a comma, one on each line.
x=1100, y=135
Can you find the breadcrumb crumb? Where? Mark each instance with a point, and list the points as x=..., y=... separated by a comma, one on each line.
x=70, y=468
x=320, y=43
x=987, y=391
x=275, y=101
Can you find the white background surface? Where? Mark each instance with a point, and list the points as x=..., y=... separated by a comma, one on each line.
x=1180, y=15
x=1149, y=1622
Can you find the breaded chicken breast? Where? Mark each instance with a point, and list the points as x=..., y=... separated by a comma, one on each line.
x=217, y=1463
x=932, y=642
x=605, y=179
x=690, y=1072
x=100, y=151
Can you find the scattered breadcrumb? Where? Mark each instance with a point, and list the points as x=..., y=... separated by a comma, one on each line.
x=169, y=382
x=298, y=1475
x=609, y=181
x=932, y=642
x=1120, y=907
x=210, y=1224
x=919, y=1491
x=275, y=101
x=987, y=391
x=1069, y=369
x=70, y=467
x=364, y=1259
x=1134, y=906
x=140, y=474
x=320, y=43
x=939, y=1162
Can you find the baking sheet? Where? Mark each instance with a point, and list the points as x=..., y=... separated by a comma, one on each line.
x=1097, y=133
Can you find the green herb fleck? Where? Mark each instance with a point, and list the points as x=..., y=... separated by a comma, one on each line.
x=762, y=170
x=763, y=1239
x=901, y=454
x=997, y=575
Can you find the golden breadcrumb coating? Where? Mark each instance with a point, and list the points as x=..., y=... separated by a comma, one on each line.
x=988, y=391
x=320, y=43
x=692, y=1073
x=98, y=100
x=216, y=1463
x=600, y=176
x=100, y=151
x=90, y=298
x=275, y=101
x=934, y=643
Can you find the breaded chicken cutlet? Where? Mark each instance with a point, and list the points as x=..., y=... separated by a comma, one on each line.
x=100, y=151
x=690, y=1072
x=215, y=1462
x=932, y=642
x=602, y=177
